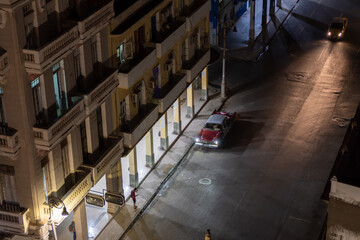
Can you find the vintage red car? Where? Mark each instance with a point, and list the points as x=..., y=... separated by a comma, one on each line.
x=215, y=129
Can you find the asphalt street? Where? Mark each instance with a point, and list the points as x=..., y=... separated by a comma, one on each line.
x=293, y=106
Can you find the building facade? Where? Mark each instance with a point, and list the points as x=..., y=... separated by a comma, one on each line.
x=221, y=11
x=82, y=84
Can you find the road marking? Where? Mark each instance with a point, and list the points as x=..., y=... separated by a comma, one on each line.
x=240, y=200
x=300, y=219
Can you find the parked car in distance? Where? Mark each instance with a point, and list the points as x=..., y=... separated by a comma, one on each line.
x=337, y=28
x=215, y=129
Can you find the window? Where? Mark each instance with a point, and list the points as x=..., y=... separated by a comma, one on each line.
x=77, y=65
x=183, y=52
x=27, y=9
x=2, y=112
x=36, y=91
x=120, y=53
x=60, y=87
x=65, y=158
x=7, y=184
x=46, y=176
x=83, y=141
x=124, y=52
x=123, y=111
x=93, y=53
x=100, y=127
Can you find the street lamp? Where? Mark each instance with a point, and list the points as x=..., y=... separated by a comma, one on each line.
x=227, y=25
x=57, y=203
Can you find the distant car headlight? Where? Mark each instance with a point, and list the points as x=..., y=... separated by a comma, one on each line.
x=197, y=139
x=217, y=142
x=339, y=34
x=329, y=33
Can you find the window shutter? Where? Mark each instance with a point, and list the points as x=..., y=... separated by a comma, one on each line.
x=128, y=51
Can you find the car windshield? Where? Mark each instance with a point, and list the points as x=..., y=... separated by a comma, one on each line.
x=336, y=25
x=213, y=126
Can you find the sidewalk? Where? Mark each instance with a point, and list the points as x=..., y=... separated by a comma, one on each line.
x=238, y=44
x=150, y=187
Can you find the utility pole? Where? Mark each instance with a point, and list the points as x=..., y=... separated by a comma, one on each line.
x=223, y=94
x=227, y=25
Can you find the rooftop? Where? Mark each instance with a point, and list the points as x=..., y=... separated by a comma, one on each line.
x=216, y=118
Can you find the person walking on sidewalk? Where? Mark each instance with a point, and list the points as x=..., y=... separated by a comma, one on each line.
x=133, y=196
x=208, y=235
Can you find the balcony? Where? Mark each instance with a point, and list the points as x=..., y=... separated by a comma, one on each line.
x=135, y=129
x=4, y=67
x=49, y=41
x=14, y=219
x=196, y=64
x=170, y=92
x=100, y=162
x=92, y=14
x=97, y=85
x=166, y=40
x=47, y=134
x=9, y=142
x=131, y=70
x=136, y=16
x=195, y=12
x=76, y=186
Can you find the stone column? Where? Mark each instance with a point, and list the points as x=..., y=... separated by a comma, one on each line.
x=177, y=116
x=114, y=183
x=164, y=138
x=278, y=3
x=150, y=159
x=252, y=21
x=272, y=8
x=81, y=221
x=134, y=176
x=190, y=111
x=264, y=13
x=204, y=84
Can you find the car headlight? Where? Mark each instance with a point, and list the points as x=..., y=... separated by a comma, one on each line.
x=339, y=34
x=197, y=139
x=329, y=33
x=216, y=142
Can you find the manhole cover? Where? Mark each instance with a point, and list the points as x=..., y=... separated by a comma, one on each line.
x=205, y=181
x=297, y=77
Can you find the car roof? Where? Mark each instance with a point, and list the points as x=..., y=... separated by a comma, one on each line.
x=338, y=19
x=216, y=119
